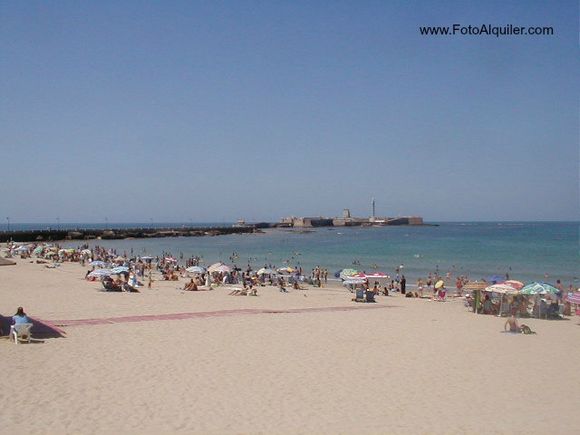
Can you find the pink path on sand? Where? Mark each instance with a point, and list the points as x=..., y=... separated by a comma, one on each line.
x=182, y=316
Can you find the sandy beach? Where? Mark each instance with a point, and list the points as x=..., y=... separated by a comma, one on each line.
x=310, y=361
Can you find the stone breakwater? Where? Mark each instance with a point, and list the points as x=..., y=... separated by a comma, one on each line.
x=117, y=234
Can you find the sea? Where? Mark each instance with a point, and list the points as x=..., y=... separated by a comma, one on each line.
x=527, y=251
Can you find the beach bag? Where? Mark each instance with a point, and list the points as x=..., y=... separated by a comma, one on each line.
x=526, y=330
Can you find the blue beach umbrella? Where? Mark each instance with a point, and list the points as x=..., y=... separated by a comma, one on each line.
x=120, y=269
x=98, y=273
x=494, y=279
x=97, y=263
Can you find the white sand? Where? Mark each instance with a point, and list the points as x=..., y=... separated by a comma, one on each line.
x=413, y=367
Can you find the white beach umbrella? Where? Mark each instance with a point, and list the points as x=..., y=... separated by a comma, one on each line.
x=213, y=267
x=502, y=289
x=265, y=271
x=223, y=269
x=195, y=269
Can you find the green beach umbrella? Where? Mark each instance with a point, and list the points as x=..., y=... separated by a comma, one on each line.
x=538, y=288
x=348, y=272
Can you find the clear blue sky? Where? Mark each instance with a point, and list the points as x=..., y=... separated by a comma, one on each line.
x=213, y=111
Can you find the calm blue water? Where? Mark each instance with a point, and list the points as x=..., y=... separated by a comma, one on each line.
x=527, y=250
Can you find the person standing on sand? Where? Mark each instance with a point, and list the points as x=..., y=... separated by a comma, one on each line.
x=403, y=285
x=420, y=286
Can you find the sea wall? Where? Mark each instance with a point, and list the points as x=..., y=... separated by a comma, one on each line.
x=124, y=233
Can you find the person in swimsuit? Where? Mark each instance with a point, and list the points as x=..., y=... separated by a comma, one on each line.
x=513, y=324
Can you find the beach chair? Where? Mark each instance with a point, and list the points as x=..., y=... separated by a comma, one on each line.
x=21, y=331
x=360, y=295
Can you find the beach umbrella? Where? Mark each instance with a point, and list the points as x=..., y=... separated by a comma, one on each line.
x=439, y=284
x=574, y=298
x=345, y=273
x=265, y=271
x=515, y=284
x=86, y=252
x=37, y=250
x=539, y=288
x=285, y=270
x=494, y=279
x=195, y=269
x=223, y=269
x=97, y=263
x=376, y=275
x=21, y=249
x=120, y=269
x=98, y=273
x=170, y=259
x=147, y=258
x=214, y=266
x=353, y=281
x=502, y=289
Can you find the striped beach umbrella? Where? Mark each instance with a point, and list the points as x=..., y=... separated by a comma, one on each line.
x=574, y=298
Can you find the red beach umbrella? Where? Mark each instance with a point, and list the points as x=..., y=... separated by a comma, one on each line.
x=515, y=284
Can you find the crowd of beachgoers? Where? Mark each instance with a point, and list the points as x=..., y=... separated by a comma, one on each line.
x=496, y=295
